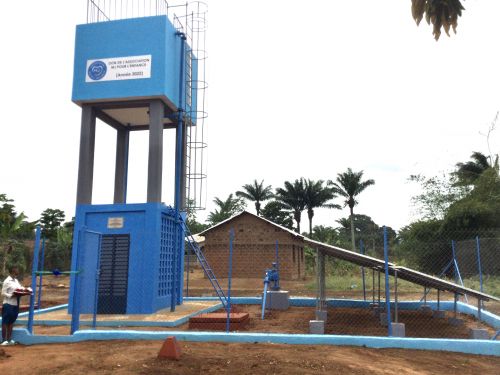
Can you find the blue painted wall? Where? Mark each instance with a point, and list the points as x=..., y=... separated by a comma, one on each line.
x=154, y=36
x=143, y=222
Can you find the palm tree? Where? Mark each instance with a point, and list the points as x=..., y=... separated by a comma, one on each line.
x=349, y=185
x=225, y=209
x=292, y=197
x=315, y=196
x=256, y=192
x=441, y=13
x=467, y=173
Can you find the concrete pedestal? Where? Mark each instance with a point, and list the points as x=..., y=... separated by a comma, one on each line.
x=479, y=334
x=426, y=309
x=376, y=311
x=277, y=300
x=398, y=329
x=383, y=318
x=317, y=327
x=439, y=314
x=321, y=315
x=455, y=321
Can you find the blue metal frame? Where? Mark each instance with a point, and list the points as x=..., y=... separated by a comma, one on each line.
x=42, y=261
x=387, y=291
x=34, y=271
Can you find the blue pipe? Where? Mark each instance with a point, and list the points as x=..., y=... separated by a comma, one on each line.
x=41, y=275
x=231, y=238
x=277, y=283
x=264, y=297
x=34, y=270
x=387, y=291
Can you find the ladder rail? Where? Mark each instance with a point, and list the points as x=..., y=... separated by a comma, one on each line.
x=204, y=264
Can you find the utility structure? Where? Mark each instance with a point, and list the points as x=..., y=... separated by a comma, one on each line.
x=138, y=66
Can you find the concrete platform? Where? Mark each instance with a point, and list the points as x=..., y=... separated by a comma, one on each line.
x=218, y=321
x=163, y=317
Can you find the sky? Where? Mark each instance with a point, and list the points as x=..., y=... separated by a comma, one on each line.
x=295, y=89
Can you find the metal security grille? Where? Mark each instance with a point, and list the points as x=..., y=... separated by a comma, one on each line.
x=166, y=256
x=113, y=274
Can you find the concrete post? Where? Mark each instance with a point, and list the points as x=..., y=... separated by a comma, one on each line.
x=121, y=166
x=155, y=158
x=86, y=158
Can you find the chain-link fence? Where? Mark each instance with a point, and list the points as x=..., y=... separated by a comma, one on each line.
x=225, y=279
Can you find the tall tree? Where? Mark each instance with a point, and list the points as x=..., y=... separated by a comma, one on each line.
x=50, y=221
x=468, y=172
x=278, y=213
x=349, y=185
x=292, y=197
x=11, y=225
x=225, y=209
x=256, y=192
x=441, y=13
x=317, y=195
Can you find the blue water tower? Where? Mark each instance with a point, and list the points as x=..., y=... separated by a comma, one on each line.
x=136, y=68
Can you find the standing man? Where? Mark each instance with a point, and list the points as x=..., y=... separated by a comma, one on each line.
x=12, y=291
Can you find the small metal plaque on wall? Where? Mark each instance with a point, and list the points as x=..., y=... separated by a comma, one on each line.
x=115, y=222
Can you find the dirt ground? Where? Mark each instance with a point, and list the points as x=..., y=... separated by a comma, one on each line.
x=139, y=357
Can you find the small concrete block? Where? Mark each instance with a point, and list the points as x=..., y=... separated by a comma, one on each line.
x=317, y=327
x=398, y=329
x=426, y=309
x=277, y=300
x=479, y=334
x=383, y=318
x=439, y=314
x=455, y=321
x=376, y=311
x=321, y=315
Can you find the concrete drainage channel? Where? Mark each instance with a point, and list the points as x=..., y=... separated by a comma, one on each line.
x=470, y=346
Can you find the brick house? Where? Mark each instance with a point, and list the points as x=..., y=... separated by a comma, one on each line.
x=254, y=248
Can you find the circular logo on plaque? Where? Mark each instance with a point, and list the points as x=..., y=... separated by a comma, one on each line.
x=97, y=70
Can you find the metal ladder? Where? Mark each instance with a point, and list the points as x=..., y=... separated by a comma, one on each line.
x=204, y=264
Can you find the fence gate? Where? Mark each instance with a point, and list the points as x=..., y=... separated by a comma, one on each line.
x=113, y=274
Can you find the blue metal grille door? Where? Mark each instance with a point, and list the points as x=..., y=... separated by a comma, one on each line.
x=113, y=274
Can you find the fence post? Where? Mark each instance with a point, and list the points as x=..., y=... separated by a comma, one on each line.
x=480, y=269
x=362, y=251
x=42, y=261
x=34, y=270
x=231, y=238
x=387, y=291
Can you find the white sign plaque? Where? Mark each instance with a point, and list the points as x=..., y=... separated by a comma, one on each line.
x=118, y=68
x=115, y=222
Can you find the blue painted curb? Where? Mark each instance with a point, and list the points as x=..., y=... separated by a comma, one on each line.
x=482, y=347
